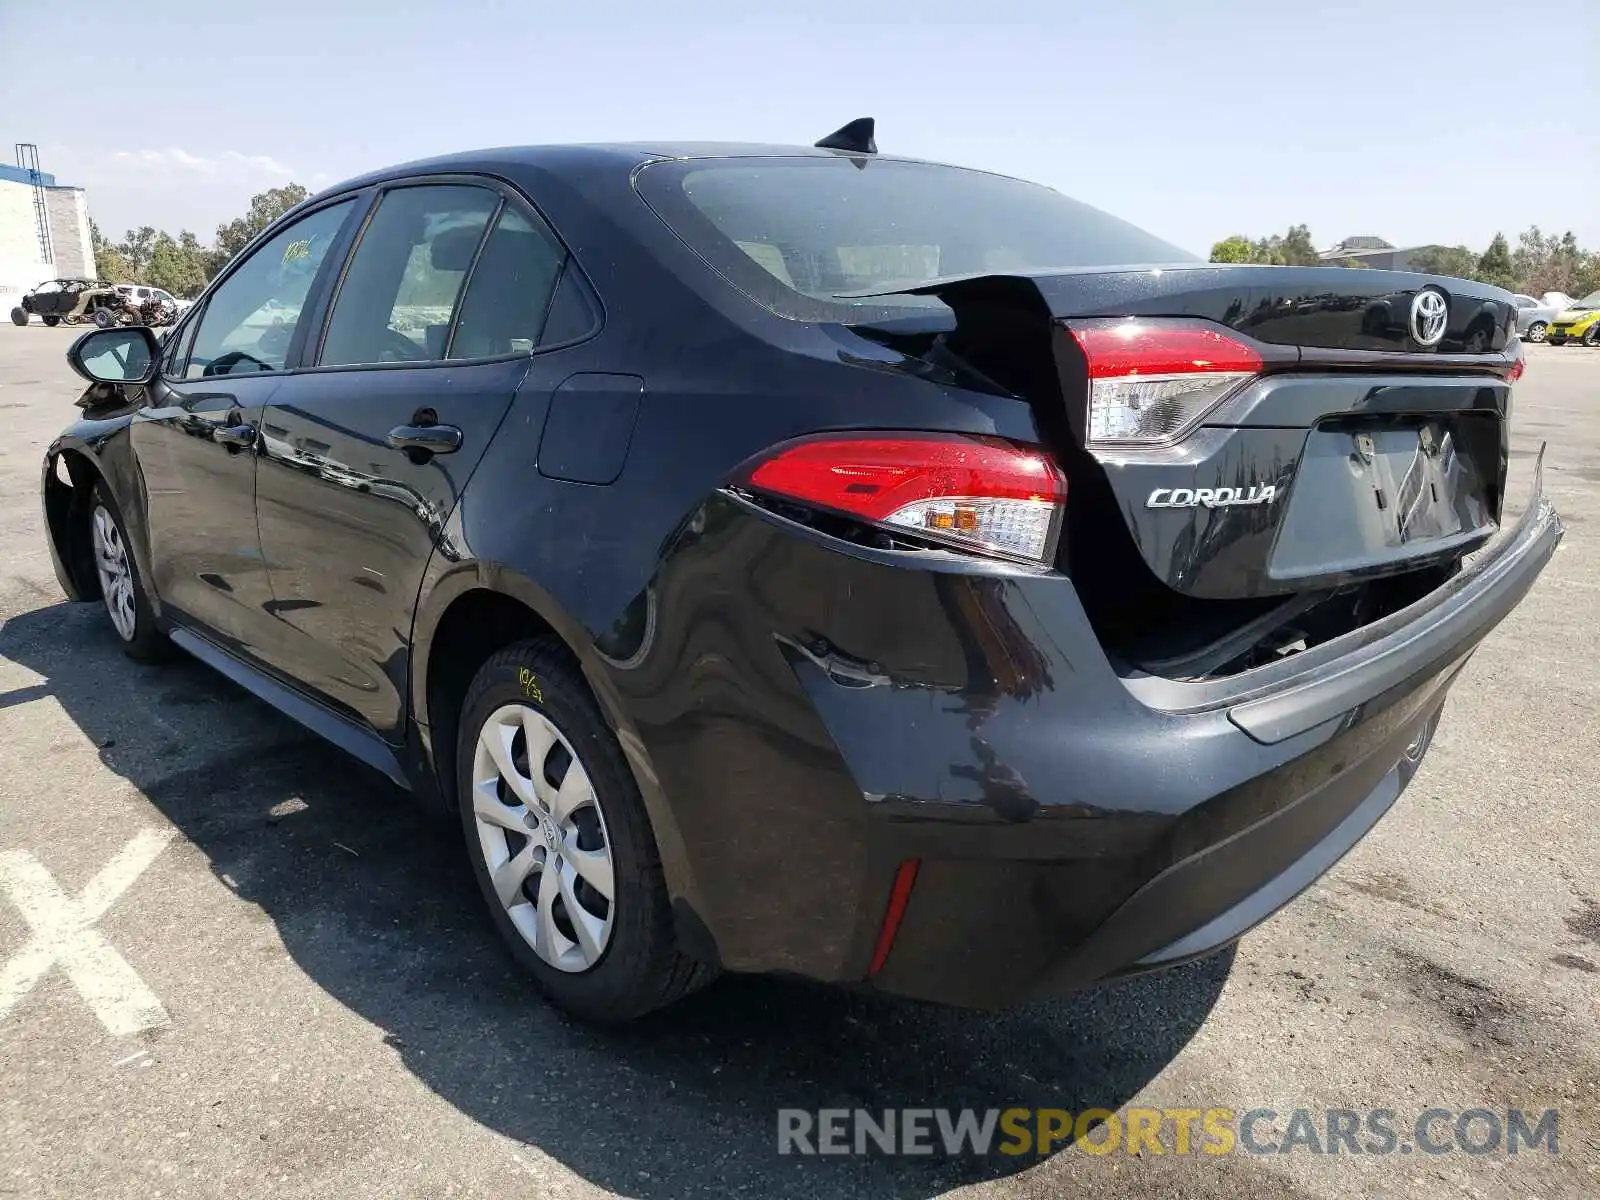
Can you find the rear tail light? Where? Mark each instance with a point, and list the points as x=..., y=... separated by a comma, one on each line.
x=971, y=492
x=1150, y=383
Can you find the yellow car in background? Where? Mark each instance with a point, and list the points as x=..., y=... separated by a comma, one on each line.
x=1580, y=323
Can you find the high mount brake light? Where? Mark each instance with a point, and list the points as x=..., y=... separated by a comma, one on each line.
x=971, y=492
x=1151, y=382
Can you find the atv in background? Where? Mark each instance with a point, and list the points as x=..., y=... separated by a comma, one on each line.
x=142, y=305
x=69, y=302
x=74, y=301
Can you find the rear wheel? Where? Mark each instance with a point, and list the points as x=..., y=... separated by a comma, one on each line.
x=52, y=320
x=19, y=315
x=120, y=588
x=104, y=318
x=560, y=843
x=1536, y=332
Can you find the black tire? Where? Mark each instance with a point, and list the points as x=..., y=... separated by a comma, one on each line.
x=144, y=641
x=104, y=318
x=641, y=967
x=19, y=315
x=1591, y=335
x=1536, y=332
x=1556, y=341
x=52, y=320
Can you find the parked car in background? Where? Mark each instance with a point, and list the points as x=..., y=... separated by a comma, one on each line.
x=1578, y=323
x=69, y=302
x=772, y=574
x=1534, y=317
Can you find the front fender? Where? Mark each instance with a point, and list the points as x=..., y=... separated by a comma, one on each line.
x=93, y=449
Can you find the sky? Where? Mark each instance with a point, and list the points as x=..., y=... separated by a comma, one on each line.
x=1415, y=122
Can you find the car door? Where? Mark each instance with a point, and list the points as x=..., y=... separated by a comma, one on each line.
x=365, y=456
x=197, y=439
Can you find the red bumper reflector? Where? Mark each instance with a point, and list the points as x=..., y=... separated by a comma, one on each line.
x=899, y=897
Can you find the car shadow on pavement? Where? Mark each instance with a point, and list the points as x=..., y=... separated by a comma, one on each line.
x=374, y=901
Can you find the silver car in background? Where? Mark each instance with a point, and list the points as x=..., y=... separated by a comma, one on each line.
x=1534, y=316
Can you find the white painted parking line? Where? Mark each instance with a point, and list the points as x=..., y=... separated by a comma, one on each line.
x=63, y=933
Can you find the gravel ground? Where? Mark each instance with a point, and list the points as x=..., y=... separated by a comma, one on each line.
x=334, y=1018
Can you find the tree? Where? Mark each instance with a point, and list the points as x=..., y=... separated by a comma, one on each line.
x=1586, y=274
x=112, y=265
x=265, y=208
x=1494, y=266
x=1297, y=248
x=1288, y=249
x=1445, y=260
x=177, y=264
x=1235, y=249
x=1530, y=261
x=137, y=246
x=109, y=262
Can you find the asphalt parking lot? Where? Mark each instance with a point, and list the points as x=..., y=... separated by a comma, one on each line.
x=234, y=962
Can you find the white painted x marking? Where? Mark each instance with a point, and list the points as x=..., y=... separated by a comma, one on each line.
x=63, y=933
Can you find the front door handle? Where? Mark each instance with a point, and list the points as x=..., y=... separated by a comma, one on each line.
x=235, y=435
x=425, y=439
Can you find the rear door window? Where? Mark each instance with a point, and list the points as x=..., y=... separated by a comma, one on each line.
x=398, y=297
x=507, y=302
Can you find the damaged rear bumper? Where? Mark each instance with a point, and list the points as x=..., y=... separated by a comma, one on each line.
x=852, y=710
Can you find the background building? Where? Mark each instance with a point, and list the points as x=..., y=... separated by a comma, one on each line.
x=1372, y=251
x=44, y=232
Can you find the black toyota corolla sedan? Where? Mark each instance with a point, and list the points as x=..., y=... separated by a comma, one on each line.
x=807, y=560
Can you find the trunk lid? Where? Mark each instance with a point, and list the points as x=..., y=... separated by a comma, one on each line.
x=1368, y=441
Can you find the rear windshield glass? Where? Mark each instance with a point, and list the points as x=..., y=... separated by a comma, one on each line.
x=810, y=237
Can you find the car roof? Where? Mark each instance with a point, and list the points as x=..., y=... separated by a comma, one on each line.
x=580, y=158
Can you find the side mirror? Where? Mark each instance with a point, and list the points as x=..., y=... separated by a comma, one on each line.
x=116, y=355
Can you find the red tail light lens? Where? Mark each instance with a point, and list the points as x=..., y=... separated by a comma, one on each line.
x=977, y=493
x=1151, y=382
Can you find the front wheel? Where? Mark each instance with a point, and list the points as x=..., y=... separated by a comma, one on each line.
x=1591, y=335
x=1536, y=332
x=19, y=315
x=120, y=587
x=52, y=320
x=104, y=318
x=560, y=843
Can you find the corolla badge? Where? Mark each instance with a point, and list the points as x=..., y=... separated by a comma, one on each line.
x=1223, y=497
x=1428, y=315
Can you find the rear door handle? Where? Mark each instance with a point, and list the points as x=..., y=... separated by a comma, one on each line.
x=235, y=435
x=426, y=439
